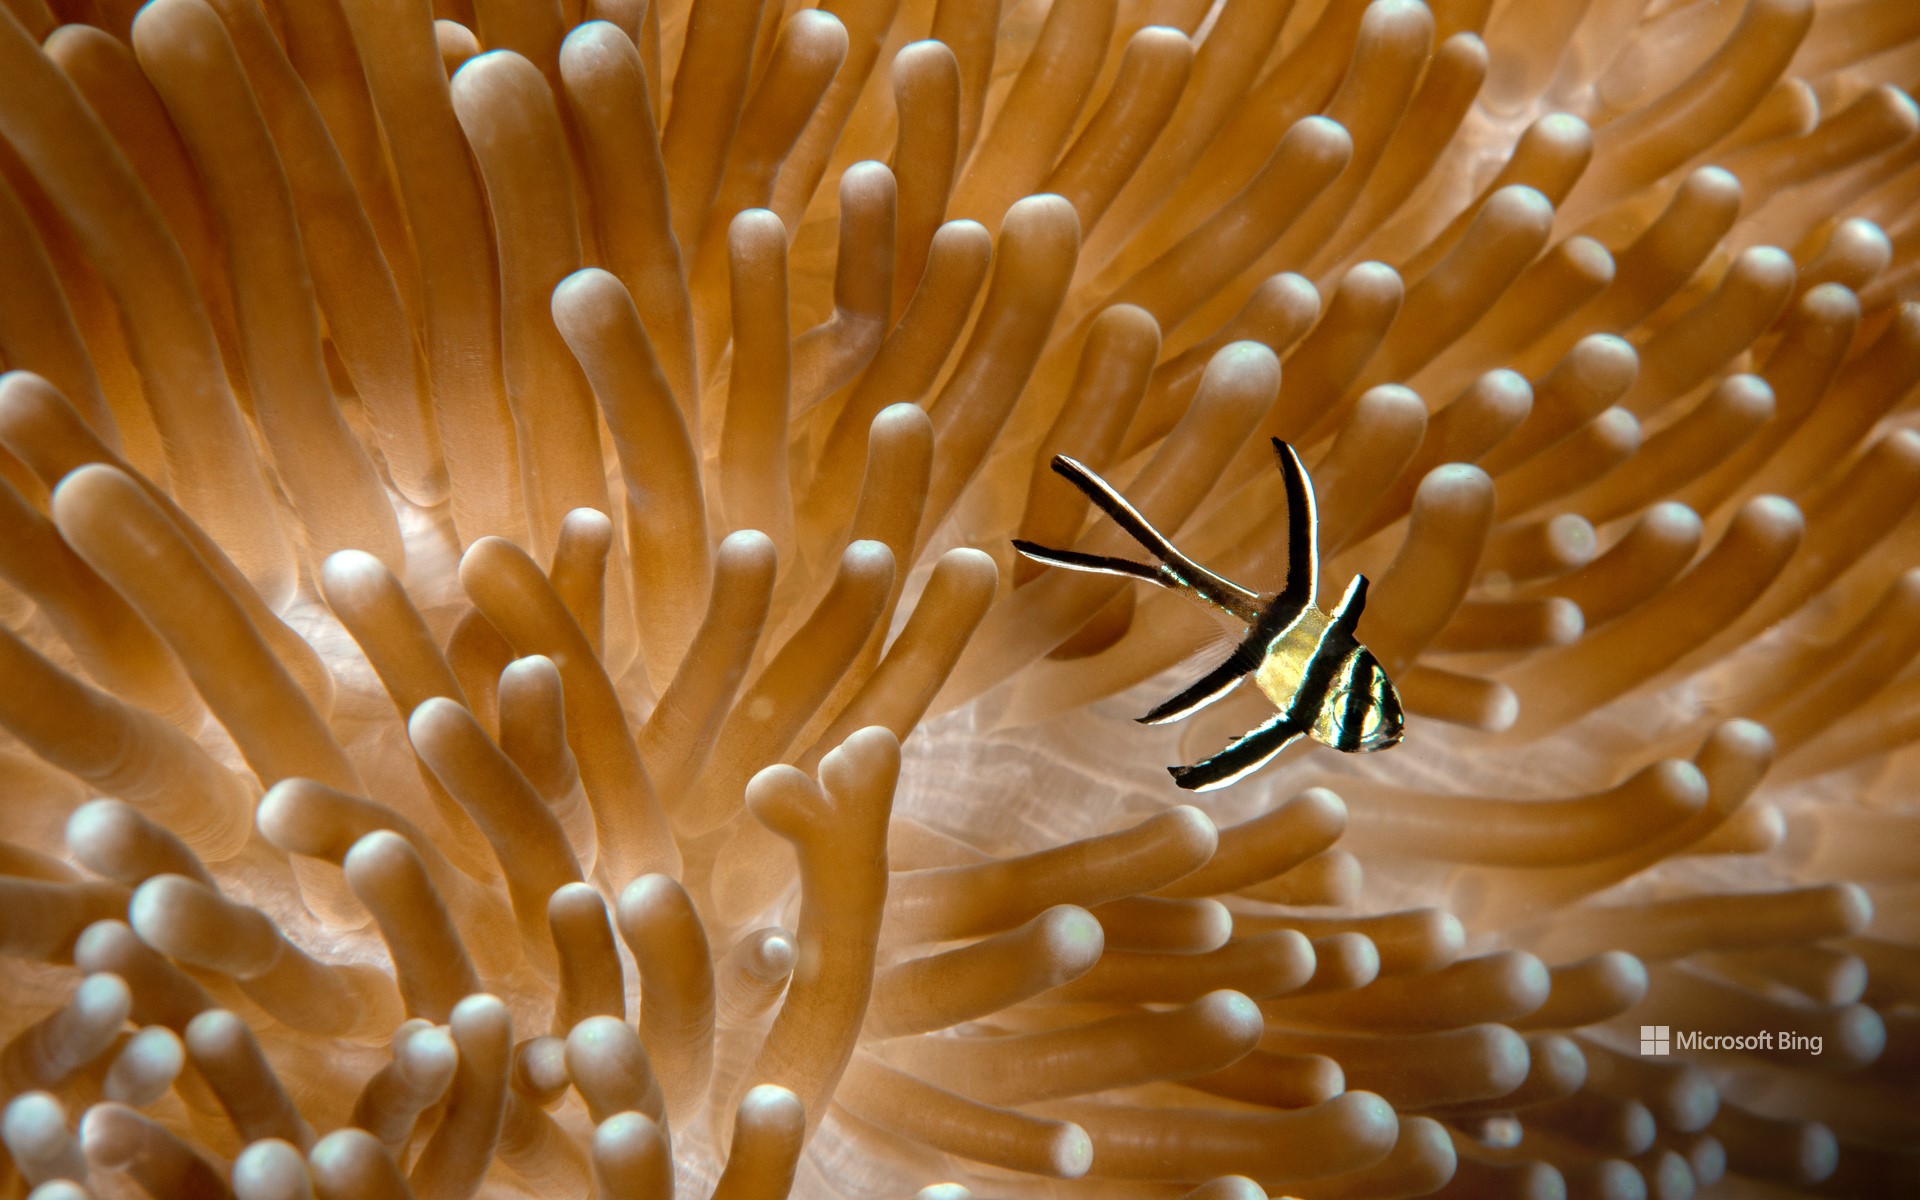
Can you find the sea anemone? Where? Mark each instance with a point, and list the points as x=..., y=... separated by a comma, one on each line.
x=352, y=728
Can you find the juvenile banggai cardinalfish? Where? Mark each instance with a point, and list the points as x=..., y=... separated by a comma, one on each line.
x=1308, y=662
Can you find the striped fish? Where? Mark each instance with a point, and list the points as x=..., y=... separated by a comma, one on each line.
x=1325, y=684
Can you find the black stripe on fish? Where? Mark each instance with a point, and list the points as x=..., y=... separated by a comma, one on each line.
x=1353, y=714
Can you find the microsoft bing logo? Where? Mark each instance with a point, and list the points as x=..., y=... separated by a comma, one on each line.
x=1653, y=1040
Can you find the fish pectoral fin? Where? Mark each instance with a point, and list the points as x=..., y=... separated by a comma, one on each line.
x=1245, y=756
x=1210, y=687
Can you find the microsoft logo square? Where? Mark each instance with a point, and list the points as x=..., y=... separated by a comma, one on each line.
x=1653, y=1040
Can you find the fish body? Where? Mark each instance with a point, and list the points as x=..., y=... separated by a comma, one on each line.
x=1354, y=712
x=1307, y=661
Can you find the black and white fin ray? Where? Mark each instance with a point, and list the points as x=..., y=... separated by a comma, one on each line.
x=1212, y=686
x=1181, y=572
x=1241, y=759
x=1346, y=617
x=1100, y=564
x=1303, y=535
